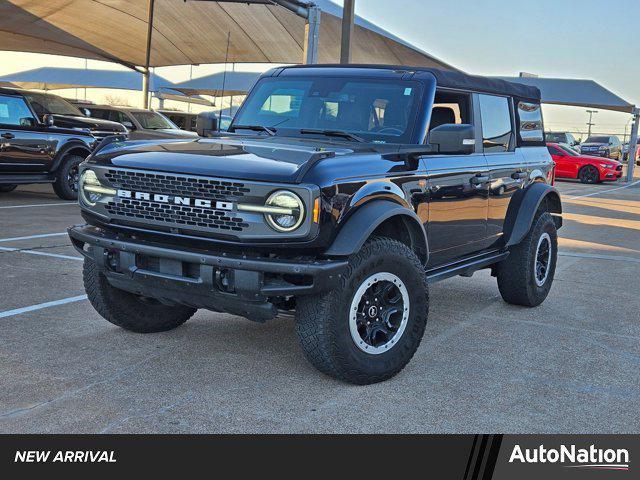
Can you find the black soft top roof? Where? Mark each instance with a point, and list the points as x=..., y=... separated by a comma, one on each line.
x=444, y=78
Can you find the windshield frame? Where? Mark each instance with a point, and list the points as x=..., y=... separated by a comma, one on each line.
x=410, y=135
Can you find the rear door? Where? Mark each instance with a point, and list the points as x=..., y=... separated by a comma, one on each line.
x=24, y=145
x=506, y=166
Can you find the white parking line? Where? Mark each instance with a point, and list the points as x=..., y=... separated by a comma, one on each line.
x=42, y=235
x=619, y=258
x=40, y=306
x=43, y=254
x=57, y=204
x=600, y=192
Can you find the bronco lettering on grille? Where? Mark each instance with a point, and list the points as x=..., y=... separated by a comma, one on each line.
x=175, y=200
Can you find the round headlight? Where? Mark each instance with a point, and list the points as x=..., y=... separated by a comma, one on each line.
x=292, y=210
x=89, y=179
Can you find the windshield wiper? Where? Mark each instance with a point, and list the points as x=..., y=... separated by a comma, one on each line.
x=333, y=133
x=256, y=128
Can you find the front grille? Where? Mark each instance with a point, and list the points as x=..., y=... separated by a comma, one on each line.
x=176, y=214
x=185, y=186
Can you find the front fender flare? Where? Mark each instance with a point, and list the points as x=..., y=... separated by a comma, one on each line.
x=62, y=153
x=366, y=219
x=523, y=207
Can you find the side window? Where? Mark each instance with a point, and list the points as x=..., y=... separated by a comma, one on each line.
x=123, y=119
x=531, y=128
x=98, y=113
x=496, y=123
x=14, y=111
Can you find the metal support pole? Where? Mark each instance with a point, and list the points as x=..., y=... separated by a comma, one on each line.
x=312, y=36
x=145, y=74
x=632, y=144
x=348, y=16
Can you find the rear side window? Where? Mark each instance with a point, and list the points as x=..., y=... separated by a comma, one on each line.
x=496, y=123
x=14, y=111
x=555, y=151
x=98, y=113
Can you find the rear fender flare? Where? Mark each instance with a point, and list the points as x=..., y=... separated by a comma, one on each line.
x=523, y=207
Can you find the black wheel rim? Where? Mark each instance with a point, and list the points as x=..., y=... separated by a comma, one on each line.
x=379, y=313
x=543, y=259
x=72, y=178
x=590, y=175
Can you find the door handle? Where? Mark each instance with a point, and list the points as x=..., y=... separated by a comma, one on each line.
x=479, y=179
x=8, y=136
x=519, y=175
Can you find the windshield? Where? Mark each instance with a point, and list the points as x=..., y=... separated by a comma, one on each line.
x=380, y=111
x=597, y=140
x=555, y=137
x=50, y=104
x=570, y=151
x=153, y=121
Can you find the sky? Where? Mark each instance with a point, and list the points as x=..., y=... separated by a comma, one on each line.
x=594, y=39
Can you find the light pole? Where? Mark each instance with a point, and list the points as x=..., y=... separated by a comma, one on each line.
x=590, y=124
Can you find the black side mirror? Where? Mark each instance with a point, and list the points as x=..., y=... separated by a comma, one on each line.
x=453, y=138
x=48, y=120
x=85, y=111
x=207, y=123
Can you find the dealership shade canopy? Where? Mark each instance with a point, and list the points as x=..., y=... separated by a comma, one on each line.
x=576, y=93
x=191, y=32
x=229, y=83
x=55, y=78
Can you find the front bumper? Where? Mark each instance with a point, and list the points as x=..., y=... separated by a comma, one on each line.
x=219, y=281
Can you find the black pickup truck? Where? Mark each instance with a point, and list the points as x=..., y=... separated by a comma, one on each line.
x=43, y=139
x=338, y=195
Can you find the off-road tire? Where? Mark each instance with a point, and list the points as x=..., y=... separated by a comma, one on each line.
x=7, y=188
x=517, y=273
x=61, y=185
x=127, y=310
x=589, y=174
x=322, y=321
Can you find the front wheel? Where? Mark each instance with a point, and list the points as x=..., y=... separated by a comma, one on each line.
x=7, y=188
x=129, y=311
x=589, y=174
x=526, y=275
x=369, y=326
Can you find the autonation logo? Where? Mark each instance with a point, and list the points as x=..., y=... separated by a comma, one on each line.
x=573, y=457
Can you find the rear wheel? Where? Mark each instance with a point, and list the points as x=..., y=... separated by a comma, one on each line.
x=127, y=310
x=369, y=326
x=7, y=188
x=66, y=182
x=526, y=275
x=589, y=174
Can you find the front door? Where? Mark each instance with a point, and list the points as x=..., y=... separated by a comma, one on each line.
x=23, y=143
x=458, y=188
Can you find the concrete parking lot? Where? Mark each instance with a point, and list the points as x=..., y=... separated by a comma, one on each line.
x=571, y=365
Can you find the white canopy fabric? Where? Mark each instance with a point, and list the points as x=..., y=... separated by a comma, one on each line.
x=55, y=78
x=577, y=93
x=191, y=32
x=229, y=83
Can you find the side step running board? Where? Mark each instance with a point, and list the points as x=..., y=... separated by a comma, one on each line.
x=465, y=267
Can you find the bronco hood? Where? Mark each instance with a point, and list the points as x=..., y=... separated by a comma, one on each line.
x=283, y=160
x=93, y=124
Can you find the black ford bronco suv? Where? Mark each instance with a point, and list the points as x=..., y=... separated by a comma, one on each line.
x=338, y=194
x=43, y=139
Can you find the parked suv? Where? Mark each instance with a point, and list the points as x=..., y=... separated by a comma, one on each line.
x=142, y=124
x=608, y=146
x=339, y=194
x=36, y=149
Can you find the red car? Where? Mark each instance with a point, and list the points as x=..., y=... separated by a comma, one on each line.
x=587, y=169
